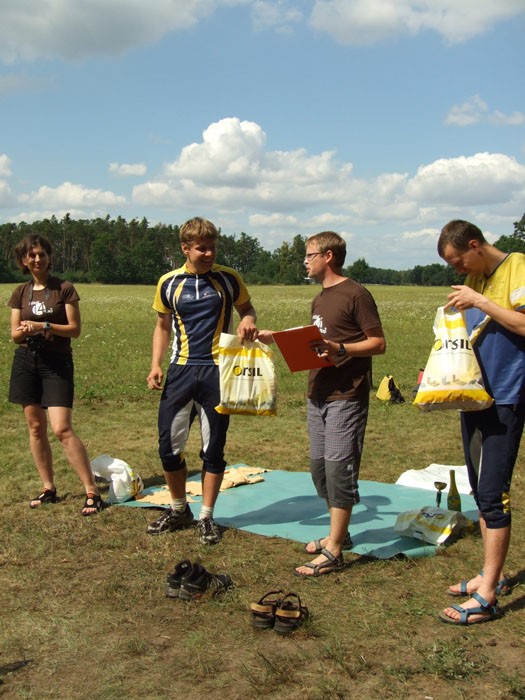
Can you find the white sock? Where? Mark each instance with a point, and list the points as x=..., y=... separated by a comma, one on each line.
x=178, y=504
x=206, y=512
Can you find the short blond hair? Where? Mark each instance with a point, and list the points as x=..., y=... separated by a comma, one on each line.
x=329, y=240
x=197, y=229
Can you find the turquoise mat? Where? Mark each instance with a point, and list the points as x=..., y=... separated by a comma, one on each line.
x=286, y=505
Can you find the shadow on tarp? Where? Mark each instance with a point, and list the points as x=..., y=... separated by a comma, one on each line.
x=285, y=505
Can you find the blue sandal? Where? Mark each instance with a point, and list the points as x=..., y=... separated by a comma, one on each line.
x=491, y=612
x=503, y=588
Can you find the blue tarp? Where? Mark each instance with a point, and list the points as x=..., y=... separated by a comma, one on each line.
x=286, y=505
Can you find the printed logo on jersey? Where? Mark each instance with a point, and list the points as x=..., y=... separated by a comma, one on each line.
x=318, y=321
x=39, y=308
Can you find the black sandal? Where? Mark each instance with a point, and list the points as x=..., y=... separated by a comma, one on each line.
x=47, y=496
x=93, y=500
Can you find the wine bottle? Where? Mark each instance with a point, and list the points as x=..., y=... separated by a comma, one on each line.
x=453, y=498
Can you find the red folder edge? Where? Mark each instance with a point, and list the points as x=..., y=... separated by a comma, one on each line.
x=294, y=347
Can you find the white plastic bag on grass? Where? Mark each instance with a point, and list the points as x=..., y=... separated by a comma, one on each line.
x=124, y=483
x=431, y=524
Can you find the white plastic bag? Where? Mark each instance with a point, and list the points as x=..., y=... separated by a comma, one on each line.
x=124, y=484
x=452, y=377
x=431, y=524
x=247, y=377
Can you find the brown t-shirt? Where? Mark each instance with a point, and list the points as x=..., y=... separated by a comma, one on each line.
x=47, y=304
x=342, y=313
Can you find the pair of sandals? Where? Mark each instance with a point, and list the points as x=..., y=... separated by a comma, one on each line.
x=489, y=611
x=282, y=613
x=332, y=562
x=93, y=501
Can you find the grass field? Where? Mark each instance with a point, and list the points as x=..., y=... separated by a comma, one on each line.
x=82, y=599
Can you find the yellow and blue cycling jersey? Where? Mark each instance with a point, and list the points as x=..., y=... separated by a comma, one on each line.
x=500, y=352
x=202, y=308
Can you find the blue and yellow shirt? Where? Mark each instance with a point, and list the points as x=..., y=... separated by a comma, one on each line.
x=500, y=352
x=202, y=308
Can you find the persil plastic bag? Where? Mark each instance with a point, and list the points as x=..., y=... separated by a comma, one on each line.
x=452, y=377
x=431, y=524
x=124, y=483
x=247, y=377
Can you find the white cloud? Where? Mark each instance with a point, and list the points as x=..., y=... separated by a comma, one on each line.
x=431, y=233
x=475, y=110
x=232, y=171
x=69, y=195
x=76, y=29
x=485, y=178
x=276, y=15
x=127, y=169
x=364, y=22
x=470, y=112
x=7, y=197
x=231, y=165
x=514, y=119
x=276, y=219
x=5, y=165
x=41, y=214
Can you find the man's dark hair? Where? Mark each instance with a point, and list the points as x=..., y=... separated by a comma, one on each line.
x=458, y=233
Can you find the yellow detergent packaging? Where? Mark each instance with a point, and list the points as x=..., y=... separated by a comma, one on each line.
x=247, y=377
x=452, y=377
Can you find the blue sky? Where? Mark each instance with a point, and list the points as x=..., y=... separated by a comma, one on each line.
x=379, y=119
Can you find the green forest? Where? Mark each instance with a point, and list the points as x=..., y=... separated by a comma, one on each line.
x=116, y=251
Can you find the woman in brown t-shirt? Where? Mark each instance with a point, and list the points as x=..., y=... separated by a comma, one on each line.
x=44, y=317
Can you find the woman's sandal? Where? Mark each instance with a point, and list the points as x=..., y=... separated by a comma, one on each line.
x=290, y=614
x=47, y=496
x=263, y=612
x=490, y=611
x=503, y=588
x=93, y=500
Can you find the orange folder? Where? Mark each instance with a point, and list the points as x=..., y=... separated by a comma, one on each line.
x=294, y=346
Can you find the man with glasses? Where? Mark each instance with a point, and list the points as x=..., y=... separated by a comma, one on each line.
x=337, y=411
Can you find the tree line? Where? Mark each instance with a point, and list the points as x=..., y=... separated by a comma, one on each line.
x=116, y=251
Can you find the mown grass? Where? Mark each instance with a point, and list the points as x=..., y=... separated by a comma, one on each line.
x=82, y=599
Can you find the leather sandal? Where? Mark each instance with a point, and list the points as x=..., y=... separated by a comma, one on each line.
x=93, y=500
x=263, y=612
x=332, y=563
x=290, y=614
x=47, y=496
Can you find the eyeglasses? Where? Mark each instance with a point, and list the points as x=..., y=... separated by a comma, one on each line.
x=310, y=256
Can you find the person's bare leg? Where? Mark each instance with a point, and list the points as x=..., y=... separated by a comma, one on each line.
x=60, y=419
x=39, y=444
x=339, y=521
x=211, y=484
x=474, y=583
x=176, y=482
x=311, y=547
x=496, y=544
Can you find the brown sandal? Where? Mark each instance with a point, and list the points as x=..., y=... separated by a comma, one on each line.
x=263, y=612
x=290, y=614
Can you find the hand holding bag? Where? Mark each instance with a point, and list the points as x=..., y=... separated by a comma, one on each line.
x=247, y=377
x=452, y=377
